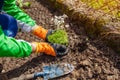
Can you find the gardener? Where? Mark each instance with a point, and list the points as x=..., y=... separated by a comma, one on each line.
x=12, y=18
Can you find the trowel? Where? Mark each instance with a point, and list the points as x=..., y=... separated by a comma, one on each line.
x=49, y=72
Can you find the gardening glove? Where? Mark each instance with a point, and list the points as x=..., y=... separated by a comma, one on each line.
x=41, y=32
x=50, y=49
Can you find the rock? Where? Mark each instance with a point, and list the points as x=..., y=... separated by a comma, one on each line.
x=90, y=74
x=85, y=63
x=109, y=77
x=97, y=68
x=3, y=71
x=67, y=25
x=106, y=71
x=98, y=60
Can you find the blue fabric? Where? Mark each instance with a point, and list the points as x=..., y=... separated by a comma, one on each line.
x=9, y=25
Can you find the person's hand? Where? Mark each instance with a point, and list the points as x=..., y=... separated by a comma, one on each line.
x=40, y=32
x=49, y=49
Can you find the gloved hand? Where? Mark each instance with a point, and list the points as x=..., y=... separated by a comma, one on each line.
x=49, y=49
x=41, y=32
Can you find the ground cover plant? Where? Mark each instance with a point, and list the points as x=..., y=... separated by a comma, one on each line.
x=59, y=36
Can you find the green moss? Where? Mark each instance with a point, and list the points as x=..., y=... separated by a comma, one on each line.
x=59, y=36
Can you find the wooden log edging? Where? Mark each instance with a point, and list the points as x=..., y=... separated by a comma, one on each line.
x=96, y=23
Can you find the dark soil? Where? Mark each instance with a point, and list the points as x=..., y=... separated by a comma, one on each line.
x=92, y=59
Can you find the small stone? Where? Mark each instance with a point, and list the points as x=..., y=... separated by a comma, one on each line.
x=107, y=71
x=3, y=71
x=85, y=63
x=90, y=73
x=109, y=77
x=74, y=62
x=98, y=69
x=17, y=65
x=67, y=25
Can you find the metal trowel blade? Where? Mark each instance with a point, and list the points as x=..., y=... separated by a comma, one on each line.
x=57, y=70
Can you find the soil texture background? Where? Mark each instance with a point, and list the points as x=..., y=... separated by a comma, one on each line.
x=92, y=59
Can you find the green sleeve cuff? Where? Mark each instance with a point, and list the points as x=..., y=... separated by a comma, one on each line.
x=12, y=9
x=10, y=47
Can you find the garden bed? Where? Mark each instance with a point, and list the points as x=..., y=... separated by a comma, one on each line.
x=95, y=18
x=92, y=59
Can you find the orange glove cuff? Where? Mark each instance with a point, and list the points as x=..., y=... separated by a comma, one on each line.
x=44, y=47
x=40, y=32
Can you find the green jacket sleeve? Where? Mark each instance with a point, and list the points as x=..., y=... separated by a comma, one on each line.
x=10, y=47
x=12, y=9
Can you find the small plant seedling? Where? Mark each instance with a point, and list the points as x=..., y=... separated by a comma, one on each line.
x=59, y=37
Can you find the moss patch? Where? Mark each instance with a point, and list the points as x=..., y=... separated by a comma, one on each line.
x=59, y=36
